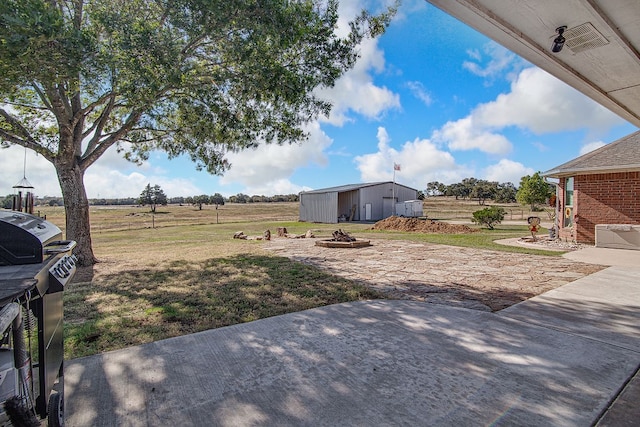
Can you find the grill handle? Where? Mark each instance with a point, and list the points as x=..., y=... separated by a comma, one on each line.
x=59, y=246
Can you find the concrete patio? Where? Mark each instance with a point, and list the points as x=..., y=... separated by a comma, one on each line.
x=561, y=358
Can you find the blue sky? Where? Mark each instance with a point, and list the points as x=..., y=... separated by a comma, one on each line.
x=432, y=95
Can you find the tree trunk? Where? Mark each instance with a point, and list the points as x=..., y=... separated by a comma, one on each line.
x=76, y=206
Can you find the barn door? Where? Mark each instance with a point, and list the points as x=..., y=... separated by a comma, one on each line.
x=387, y=207
x=367, y=212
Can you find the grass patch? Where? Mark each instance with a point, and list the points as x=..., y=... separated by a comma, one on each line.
x=484, y=239
x=139, y=306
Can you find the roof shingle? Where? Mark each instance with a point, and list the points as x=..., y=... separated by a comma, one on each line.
x=619, y=156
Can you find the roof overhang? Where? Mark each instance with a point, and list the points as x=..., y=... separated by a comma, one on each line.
x=601, y=55
x=555, y=173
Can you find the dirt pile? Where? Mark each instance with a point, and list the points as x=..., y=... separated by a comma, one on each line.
x=421, y=226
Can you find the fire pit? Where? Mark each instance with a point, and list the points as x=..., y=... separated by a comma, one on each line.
x=342, y=239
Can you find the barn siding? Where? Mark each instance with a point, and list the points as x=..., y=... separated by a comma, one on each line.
x=326, y=207
x=405, y=193
x=319, y=207
x=374, y=195
x=384, y=192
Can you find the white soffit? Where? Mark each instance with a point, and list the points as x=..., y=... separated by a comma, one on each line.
x=601, y=55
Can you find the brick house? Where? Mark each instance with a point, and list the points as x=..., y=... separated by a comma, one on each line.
x=600, y=187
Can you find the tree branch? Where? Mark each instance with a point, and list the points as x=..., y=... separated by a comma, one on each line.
x=31, y=107
x=42, y=96
x=58, y=107
x=22, y=137
x=65, y=101
x=90, y=107
x=89, y=158
x=99, y=124
x=12, y=138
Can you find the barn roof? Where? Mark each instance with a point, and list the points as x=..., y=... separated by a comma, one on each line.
x=350, y=187
x=622, y=155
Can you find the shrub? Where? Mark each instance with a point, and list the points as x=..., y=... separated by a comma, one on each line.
x=489, y=216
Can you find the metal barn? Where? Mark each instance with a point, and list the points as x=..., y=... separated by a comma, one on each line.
x=354, y=202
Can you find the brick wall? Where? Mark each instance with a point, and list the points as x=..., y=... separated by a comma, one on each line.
x=608, y=198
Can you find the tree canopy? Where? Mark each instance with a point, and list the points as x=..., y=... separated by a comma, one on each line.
x=479, y=189
x=194, y=77
x=152, y=196
x=200, y=200
x=533, y=190
x=489, y=216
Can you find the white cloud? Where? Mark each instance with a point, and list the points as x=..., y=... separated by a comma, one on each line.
x=347, y=10
x=39, y=172
x=540, y=146
x=265, y=169
x=474, y=54
x=110, y=177
x=537, y=102
x=101, y=182
x=408, y=7
x=356, y=92
x=543, y=104
x=587, y=148
x=467, y=134
x=500, y=61
x=506, y=171
x=421, y=162
x=419, y=91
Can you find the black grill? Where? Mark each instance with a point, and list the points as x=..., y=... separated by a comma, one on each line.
x=35, y=266
x=28, y=239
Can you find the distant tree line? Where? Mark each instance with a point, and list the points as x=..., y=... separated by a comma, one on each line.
x=218, y=200
x=533, y=190
x=472, y=188
x=243, y=198
x=7, y=201
x=200, y=200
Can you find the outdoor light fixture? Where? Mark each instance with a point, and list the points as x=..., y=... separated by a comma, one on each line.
x=558, y=42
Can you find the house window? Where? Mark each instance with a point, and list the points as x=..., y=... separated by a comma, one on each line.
x=568, y=202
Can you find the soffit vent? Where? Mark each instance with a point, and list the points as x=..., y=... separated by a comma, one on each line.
x=584, y=37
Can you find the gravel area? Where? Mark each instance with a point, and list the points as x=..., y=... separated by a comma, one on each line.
x=466, y=277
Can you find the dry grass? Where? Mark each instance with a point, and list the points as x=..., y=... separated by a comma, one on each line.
x=137, y=305
x=114, y=218
x=188, y=274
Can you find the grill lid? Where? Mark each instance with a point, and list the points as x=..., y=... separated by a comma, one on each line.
x=23, y=238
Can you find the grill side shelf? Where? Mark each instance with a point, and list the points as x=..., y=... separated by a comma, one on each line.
x=11, y=290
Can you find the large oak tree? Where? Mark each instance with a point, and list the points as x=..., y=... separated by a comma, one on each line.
x=200, y=77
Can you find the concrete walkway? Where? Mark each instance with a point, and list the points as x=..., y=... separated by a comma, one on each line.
x=561, y=358
x=606, y=256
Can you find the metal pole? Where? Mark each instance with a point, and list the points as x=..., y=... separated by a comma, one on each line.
x=393, y=192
